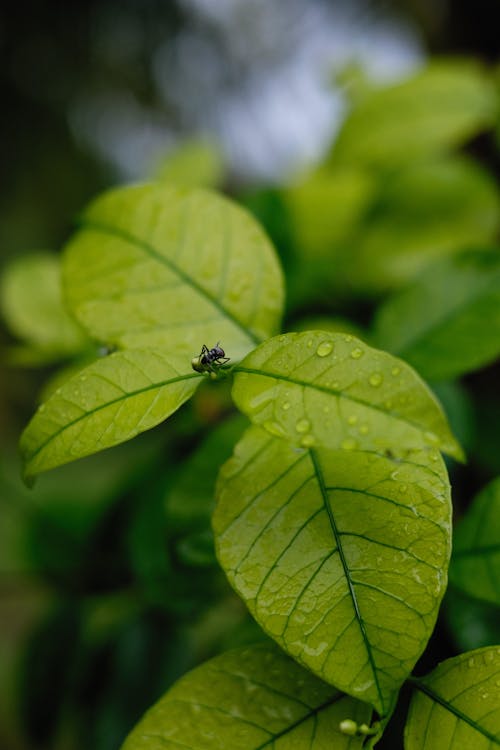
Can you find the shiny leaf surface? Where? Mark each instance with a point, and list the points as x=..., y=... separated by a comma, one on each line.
x=111, y=401
x=249, y=699
x=340, y=556
x=173, y=268
x=332, y=390
x=457, y=706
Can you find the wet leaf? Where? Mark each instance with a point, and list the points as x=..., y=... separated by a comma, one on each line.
x=249, y=699
x=173, y=268
x=475, y=567
x=112, y=400
x=332, y=390
x=340, y=556
x=435, y=110
x=457, y=706
x=438, y=324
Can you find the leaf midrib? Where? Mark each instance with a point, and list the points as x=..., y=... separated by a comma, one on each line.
x=347, y=573
x=124, y=397
x=164, y=260
x=430, y=693
x=330, y=391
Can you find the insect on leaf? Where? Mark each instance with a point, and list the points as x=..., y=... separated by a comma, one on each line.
x=249, y=699
x=340, y=556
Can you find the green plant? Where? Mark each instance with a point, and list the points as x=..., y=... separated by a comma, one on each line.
x=333, y=517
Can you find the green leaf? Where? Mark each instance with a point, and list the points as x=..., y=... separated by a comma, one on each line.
x=332, y=390
x=340, y=556
x=324, y=207
x=438, y=323
x=192, y=164
x=423, y=213
x=436, y=110
x=475, y=567
x=457, y=706
x=111, y=401
x=173, y=268
x=249, y=699
x=33, y=309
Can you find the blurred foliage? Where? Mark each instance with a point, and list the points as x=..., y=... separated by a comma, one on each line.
x=110, y=586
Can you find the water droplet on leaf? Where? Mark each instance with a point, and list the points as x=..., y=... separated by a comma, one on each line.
x=324, y=349
x=303, y=425
x=375, y=379
x=357, y=353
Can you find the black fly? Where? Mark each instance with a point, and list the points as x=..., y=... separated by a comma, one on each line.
x=209, y=360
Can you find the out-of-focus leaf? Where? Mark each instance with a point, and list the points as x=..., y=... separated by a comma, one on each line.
x=193, y=164
x=189, y=499
x=475, y=567
x=473, y=623
x=341, y=557
x=457, y=706
x=439, y=108
x=324, y=207
x=173, y=268
x=459, y=409
x=111, y=401
x=448, y=322
x=332, y=390
x=425, y=212
x=32, y=307
x=248, y=699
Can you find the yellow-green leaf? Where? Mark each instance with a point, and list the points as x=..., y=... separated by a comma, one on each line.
x=475, y=567
x=437, y=109
x=32, y=307
x=457, y=706
x=424, y=212
x=249, y=699
x=172, y=268
x=341, y=557
x=110, y=401
x=332, y=390
x=438, y=323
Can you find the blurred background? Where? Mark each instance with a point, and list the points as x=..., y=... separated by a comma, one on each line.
x=108, y=583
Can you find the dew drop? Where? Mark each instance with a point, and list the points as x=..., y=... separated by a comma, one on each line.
x=308, y=441
x=275, y=429
x=357, y=353
x=364, y=429
x=375, y=379
x=431, y=437
x=285, y=405
x=282, y=338
x=352, y=419
x=83, y=378
x=349, y=444
x=303, y=425
x=348, y=338
x=395, y=371
x=324, y=349
x=394, y=475
x=309, y=343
